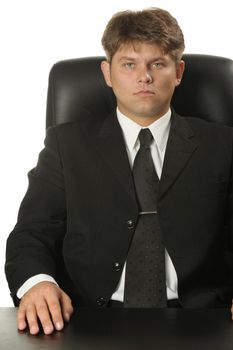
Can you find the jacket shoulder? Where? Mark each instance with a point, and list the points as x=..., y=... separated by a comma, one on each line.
x=195, y=120
x=84, y=124
x=199, y=125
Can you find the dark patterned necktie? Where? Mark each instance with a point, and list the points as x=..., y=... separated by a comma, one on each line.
x=145, y=284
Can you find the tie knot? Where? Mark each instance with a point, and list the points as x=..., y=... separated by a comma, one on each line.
x=145, y=137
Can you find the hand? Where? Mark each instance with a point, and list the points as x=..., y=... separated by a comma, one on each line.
x=48, y=303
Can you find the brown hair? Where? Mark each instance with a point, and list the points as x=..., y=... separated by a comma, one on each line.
x=151, y=25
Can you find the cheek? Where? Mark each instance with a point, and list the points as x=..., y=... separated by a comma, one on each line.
x=167, y=82
x=122, y=84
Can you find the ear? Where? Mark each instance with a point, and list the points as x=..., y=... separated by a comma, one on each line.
x=179, y=72
x=105, y=67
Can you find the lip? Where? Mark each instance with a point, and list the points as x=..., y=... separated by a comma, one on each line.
x=144, y=93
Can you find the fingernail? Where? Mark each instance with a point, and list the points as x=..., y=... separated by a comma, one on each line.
x=67, y=317
x=33, y=330
x=48, y=330
x=59, y=326
x=21, y=326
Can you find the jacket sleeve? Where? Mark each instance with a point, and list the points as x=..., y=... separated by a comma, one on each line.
x=32, y=246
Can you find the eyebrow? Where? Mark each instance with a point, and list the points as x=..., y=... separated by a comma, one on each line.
x=129, y=58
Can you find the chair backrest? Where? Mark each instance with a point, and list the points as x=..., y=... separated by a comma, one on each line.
x=77, y=85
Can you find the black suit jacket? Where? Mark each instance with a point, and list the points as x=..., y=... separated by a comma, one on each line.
x=78, y=217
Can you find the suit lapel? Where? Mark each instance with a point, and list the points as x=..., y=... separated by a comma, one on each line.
x=180, y=148
x=110, y=144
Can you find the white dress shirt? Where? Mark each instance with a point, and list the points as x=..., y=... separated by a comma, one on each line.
x=160, y=131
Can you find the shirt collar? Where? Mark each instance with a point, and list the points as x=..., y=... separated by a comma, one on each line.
x=159, y=129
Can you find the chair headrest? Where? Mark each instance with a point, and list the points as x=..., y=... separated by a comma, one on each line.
x=77, y=86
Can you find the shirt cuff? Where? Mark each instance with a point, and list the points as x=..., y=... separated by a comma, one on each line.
x=32, y=281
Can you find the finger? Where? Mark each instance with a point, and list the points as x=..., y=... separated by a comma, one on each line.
x=55, y=311
x=66, y=305
x=21, y=318
x=32, y=320
x=44, y=316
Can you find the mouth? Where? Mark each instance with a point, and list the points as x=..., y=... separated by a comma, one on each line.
x=144, y=93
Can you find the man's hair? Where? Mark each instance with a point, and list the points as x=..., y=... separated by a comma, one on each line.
x=153, y=26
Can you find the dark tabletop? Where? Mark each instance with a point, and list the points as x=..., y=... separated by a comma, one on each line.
x=110, y=329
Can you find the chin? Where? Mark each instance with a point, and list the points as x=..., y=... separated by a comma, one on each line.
x=147, y=114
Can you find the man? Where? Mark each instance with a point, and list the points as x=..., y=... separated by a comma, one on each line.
x=139, y=205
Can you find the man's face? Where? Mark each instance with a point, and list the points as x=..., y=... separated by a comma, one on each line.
x=143, y=79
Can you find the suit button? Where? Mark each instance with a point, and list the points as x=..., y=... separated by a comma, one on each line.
x=101, y=301
x=117, y=266
x=130, y=224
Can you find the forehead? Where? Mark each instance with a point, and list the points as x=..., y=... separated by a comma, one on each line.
x=138, y=49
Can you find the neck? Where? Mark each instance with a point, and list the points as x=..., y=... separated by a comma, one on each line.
x=144, y=121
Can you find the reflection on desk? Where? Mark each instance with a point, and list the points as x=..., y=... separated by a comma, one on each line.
x=126, y=329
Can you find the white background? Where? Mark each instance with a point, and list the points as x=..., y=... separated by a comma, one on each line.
x=35, y=35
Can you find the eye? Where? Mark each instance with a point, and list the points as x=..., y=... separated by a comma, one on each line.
x=129, y=65
x=157, y=65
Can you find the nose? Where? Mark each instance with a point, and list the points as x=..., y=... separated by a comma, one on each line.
x=145, y=77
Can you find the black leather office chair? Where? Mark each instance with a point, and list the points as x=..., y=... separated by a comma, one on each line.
x=76, y=85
